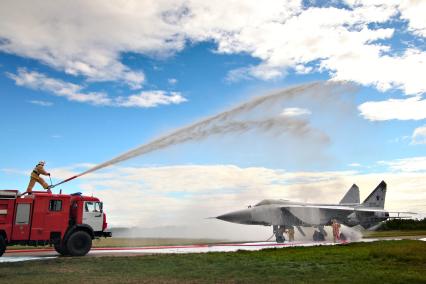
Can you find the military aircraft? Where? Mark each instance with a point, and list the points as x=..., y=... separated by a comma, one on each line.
x=284, y=214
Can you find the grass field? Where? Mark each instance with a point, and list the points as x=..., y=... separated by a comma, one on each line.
x=406, y=233
x=379, y=262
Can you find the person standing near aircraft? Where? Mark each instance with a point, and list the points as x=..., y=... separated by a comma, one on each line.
x=35, y=177
x=290, y=233
x=336, y=230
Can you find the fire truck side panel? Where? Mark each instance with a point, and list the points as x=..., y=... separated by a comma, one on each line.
x=50, y=215
x=7, y=210
x=79, y=211
x=22, y=221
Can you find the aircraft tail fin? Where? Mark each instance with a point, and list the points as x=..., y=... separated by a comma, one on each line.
x=377, y=197
x=352, y=196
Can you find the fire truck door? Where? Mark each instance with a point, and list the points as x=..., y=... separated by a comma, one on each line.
x=93, y=215
x=21, y=226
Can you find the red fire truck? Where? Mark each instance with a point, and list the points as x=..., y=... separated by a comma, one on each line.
x=69, y=222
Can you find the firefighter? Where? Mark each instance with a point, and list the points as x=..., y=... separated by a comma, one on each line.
x=35, y=177
x=336, y=230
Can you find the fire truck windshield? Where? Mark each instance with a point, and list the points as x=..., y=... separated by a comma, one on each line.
x=93, y=206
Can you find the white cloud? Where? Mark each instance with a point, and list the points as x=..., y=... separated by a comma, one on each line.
x=399, y=139
x=262, y=71
x=415, y=164
x=74, y=92
x=386, y=72
x=89, y=38
x=295, y=111
x=172, y=81
x=338, y=39
x=41, y=103
x=239, y=74
x=147, y=99
x=302, y=69
x=419, y=135
x=355, y=165
x=413, y=108
x=83, y=38
x=413, y=12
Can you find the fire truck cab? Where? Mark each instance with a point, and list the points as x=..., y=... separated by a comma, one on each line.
x=69, y=222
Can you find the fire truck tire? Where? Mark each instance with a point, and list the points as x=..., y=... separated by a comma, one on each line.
x=2, y=245
x=79, y=243
x=61, y=249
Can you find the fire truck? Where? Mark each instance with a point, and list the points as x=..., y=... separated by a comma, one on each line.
x=69, y=222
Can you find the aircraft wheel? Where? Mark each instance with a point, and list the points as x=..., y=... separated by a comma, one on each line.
x=318, y=237
x=2, y=245
x=315, y=236
x=343, y=237
x=280, y=239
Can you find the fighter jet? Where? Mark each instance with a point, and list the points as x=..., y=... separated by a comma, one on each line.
x=284, y=214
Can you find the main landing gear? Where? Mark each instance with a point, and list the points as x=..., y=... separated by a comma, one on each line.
x=319, y=236
x=279, y=233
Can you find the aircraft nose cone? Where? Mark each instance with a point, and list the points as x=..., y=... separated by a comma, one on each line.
x=240, y=217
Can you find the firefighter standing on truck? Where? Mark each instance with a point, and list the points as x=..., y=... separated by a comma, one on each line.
x=35, y=177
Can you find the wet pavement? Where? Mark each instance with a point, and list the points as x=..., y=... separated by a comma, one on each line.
x=45, y=254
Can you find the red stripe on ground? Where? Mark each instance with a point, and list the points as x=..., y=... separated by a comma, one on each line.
x=27, y=250
x=172, y=247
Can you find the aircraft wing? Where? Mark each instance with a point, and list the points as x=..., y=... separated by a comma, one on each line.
x=342, y=208
x=320, y=214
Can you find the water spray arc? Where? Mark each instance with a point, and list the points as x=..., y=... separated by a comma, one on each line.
x=256, y=114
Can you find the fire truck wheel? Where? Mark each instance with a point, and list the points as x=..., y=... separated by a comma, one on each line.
x=79, y=243
x=61, y=249
x=2, y=245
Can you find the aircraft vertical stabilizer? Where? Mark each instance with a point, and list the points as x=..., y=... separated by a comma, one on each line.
x=352, y=196
x=377, y=197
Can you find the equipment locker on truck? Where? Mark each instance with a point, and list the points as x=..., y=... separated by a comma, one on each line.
x=68, y=222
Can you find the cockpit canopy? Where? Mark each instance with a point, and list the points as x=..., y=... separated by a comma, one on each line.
x=272, y=201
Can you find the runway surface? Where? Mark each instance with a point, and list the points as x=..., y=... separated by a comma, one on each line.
x=44, y=254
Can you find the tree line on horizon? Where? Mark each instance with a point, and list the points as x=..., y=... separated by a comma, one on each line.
x=403, y=224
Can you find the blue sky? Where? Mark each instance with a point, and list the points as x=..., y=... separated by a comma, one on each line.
x=83, y=84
